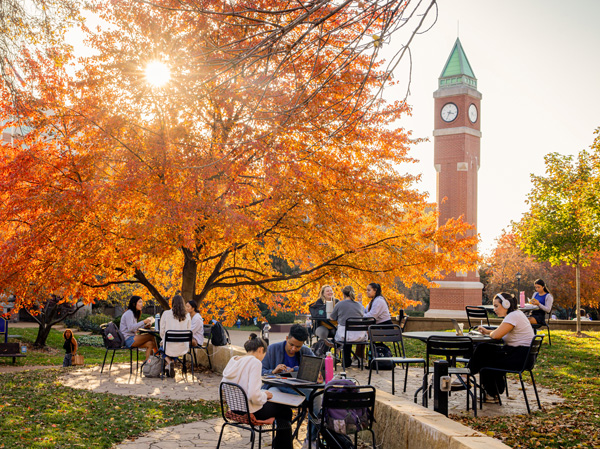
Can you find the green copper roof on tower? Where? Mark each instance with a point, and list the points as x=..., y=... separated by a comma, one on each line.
x=457, y=69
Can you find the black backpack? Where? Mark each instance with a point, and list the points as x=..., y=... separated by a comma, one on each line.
x=218, y=335
x=385, y=365
x=113, y=338
x=336, y=440
x=320, y=348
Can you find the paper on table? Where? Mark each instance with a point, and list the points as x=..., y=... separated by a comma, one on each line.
x=293, y=400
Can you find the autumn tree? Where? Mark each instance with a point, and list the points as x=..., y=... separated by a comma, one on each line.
x=506, y=260
x=563, y=223
x=269, y=142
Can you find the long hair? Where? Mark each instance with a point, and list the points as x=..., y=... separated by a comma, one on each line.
x=65, y=334
x=178, y=308
x=377, y=289
x=348, y=291
x=321, y=296
x=132, y=303
x=542, y=284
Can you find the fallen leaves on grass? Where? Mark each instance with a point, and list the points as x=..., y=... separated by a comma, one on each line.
x=569, y=367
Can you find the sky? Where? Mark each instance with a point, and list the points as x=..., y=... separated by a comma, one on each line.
x=537, y=68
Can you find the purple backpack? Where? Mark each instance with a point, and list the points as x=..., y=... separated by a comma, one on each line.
x=345, y=421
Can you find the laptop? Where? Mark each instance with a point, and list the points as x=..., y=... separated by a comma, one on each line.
x=459, y=332
x=308, y=372
x=457, y=328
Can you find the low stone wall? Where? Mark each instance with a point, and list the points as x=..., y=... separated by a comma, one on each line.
x=400, y=424
x=219, y=356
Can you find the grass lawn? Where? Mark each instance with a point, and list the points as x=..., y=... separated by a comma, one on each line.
x=37, y=411
x=570, y=367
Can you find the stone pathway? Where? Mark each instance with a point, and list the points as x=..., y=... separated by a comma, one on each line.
x=202, y=434
x=206, y=386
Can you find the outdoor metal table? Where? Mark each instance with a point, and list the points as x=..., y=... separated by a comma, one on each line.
x=303, y=408
x=152, y=332
x=424, y=335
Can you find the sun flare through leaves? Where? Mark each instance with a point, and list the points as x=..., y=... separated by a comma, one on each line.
x=157, y=73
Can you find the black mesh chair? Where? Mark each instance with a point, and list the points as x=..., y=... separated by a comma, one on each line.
x=204, y=347
x=478, y=313
x=528, y=365
x=178, y=336
x=391, y=335
x=237, y=413
x=544, y=324
x=345, y=397
x=356, y=324
x=452, y=347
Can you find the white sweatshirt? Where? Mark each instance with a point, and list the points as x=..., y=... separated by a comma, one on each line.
x=169, y=323
x=246, y=372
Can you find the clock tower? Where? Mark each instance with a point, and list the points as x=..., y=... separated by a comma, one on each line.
x=457, y=136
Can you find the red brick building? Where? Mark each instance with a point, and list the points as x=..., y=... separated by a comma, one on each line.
x=457, y=136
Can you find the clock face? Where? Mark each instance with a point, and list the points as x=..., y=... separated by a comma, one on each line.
x=449, y=112
x=473, y=113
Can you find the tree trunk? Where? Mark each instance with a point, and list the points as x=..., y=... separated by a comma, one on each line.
x=52, y=314
x=188, y=276
x=42, y=335
x=578, y=299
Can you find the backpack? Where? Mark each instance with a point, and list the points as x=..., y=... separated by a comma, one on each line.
x=320, y=348
x=336, y=440
x=152, y=367
x=317, y=310
x=386, y=365
x=345, y=421
x=218, y=337
x=112, y=336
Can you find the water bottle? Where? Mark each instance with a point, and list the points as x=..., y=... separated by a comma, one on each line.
x=328, y=367
x=156, y=322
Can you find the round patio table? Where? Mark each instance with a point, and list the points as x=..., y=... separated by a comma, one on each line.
x=424, y=335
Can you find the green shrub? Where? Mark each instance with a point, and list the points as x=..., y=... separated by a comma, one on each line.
x=281, y=318
x=90, y=340
x=89, y=323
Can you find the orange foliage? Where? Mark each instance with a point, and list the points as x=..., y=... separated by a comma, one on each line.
x=269, y=143
x=507, y=260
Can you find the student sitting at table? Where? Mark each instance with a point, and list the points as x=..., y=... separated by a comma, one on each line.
x=378, y=307
x=543, y=299
x=175, y=319
x=246, y=372
x=130, y=325
x=348, y=307
x=197, y=323
x=323, y=328
x=285, y=357
x=517, y=333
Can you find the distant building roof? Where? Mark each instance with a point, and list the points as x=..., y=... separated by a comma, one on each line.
x=457, y=69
